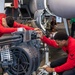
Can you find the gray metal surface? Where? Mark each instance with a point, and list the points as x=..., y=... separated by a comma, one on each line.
x=39, y=17
x=40, y=4
x=26, y=59
x=25, y=54
x=33, y=6
x=62, y=8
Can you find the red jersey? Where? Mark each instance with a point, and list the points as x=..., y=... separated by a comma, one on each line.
x=70, y=49
x=16, y=25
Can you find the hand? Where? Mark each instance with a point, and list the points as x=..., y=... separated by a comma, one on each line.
x=48, y=69
x=39, y=32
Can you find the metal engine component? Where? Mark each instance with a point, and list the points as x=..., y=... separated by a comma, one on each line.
x=28, y=8
x=39, y=17
x=26, y=60
x=19, y=55
x=6, y=57
x=64, y=8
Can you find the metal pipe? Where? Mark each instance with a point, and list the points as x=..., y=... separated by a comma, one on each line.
x=66, y=26
x=10, y=40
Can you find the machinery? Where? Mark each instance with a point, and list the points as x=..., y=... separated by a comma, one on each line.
x=38, y=10
x=64, y=9
x=14, y=55
x=20, y=55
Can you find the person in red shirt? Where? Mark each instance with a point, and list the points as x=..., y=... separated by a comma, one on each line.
x=66, y=65
x=8, y=25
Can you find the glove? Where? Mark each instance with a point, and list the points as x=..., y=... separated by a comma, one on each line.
x=20, y=29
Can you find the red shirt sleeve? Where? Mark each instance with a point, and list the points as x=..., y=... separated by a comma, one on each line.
x=50, y=42
x=16, y=25
x=2, y=15
x=67, y=66
x=4, y=30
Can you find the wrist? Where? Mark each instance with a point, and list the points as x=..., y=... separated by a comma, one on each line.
x=41, y=37
x=53, y=70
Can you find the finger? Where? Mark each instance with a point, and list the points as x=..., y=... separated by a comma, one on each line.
x=39, y=32
x=36, y=29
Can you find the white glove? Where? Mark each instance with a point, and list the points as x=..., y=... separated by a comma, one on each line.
x=20, y=29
